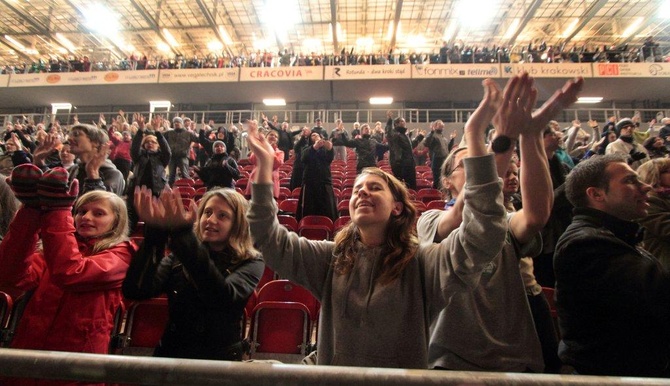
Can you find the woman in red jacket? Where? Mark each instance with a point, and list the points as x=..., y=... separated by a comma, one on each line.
x=76, y=276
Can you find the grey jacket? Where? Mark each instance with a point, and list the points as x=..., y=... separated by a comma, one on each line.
x=364, y=323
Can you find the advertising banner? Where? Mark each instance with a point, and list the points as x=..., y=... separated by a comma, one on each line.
x=631, y=70
x=548, y=70
x=400, y=71
x=455, y=71
x=199, y=75
x=83, y=78
x=254, y=74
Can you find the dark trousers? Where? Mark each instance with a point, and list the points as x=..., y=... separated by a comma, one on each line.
x=546, y=331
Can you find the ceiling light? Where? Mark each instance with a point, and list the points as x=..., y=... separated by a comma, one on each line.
x=163, y=47
x=215, y=45
x=225, y=36
x=170, y=39
x=60, y=106
x=511, y=30
x=364, y=44
x=449, y=32
x=65, y=41
x=100, y=19
x=570, y=28
x=15, y=43
x=381, y=100
x=475, y=13
x=153, y=105
x=274, y=102
x=589, y=99
x=632, y=27
x=416, y=41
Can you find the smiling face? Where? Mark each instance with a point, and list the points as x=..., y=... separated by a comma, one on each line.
x=94, y=219
x=272, y=138
x=216, y=222
x=372, y=202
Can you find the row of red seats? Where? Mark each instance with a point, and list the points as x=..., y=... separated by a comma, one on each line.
x=280, y=318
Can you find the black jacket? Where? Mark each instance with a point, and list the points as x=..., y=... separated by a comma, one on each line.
x=206, y=293
x=220, y=170
x=613, y=299
x=400, y=146
x=149, y=167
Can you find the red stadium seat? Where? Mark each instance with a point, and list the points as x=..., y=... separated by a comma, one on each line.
x=316, y=227
x=429, y=194
x=184, y=182
x=268, y=276
x=343, y=208
x=340, y=223
x=280, y=328
x=145, y=324
x=242, y=183
x=435, y=204
x=289, y=206
x=289, y=222
x=6, y=304
x=185, y=191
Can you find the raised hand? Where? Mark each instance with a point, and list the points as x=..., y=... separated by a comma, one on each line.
x=45, y=148
x=167, y=211
x=562, y=98
x=263, y=151
x=515, y=111
x=480, y=119
x=93, y=165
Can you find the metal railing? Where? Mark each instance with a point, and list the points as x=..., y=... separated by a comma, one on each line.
x=328, y=116
x=166, y=371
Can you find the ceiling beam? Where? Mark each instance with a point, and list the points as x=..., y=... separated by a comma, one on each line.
x=39, y=28
x=396, y=20
x=585, y=18
x=120, y=52
x=19, y=52
x=211, y=23
x=333, y=24
x=527, y=17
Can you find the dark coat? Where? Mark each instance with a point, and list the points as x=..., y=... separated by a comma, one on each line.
x=206, y=293
x=613, y=299
x=149, y=167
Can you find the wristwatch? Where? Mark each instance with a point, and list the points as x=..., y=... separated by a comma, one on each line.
x=502, y=144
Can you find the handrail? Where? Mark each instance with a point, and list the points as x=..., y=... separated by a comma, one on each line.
x=328, y=116
x=167, y=371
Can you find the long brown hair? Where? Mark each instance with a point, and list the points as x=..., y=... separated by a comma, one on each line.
x=401, y=242
x=239, y=238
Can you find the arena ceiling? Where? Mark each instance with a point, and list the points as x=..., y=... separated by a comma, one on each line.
x=108, y=30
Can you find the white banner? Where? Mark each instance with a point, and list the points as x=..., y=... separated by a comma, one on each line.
x=83, y=78
x=432, y=71
x=200, y=75
x=400, y=71
x=4, y=80
x=631, y=70
x=281, y=73
x=548, y=70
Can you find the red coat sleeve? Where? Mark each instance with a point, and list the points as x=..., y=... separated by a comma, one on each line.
x=20, y=265
x=69, y=267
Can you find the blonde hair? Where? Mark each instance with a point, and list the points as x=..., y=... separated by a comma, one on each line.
x=650, y=171
x=119, y=230
x=401, y=240
x=239, y=238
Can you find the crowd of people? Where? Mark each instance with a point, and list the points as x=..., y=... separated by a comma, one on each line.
x=456, y=288
x=542, y=52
